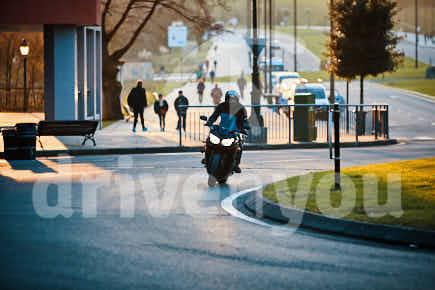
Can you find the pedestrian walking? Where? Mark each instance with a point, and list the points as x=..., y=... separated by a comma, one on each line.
x=200, y=88
x=216, y=95
x=181, y=100
x=215, y=64
x=161, y=108
x=241, y=83
x=137, y=100
x=212, y=76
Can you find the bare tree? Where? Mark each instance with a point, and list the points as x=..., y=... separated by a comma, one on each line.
x=123, y=21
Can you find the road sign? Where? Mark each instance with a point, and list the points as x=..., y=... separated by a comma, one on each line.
x=261, y=42
x=177, y=36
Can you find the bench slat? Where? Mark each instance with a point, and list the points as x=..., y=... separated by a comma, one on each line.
x=67, y=128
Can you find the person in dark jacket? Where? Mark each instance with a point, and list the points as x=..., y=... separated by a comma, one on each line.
x=137, y=101
x=161, y=108
x=233, y=117
x=181, y=112
x=201, y=88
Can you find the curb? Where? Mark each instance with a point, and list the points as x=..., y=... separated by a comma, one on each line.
x=363, y=230
x=176, y=149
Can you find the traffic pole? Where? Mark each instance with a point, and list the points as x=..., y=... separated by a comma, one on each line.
x=337, y=157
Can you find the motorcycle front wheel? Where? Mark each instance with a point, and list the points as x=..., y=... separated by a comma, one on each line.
x=211, y=181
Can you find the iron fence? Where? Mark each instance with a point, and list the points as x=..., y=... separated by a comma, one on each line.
x=286, y=124
x=12, y=100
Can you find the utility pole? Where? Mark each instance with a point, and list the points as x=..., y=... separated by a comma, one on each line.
x=266, y=83
x=270, y=46
x=295, y=33
x=416, y=33
x=255, y=95
x=332, y=78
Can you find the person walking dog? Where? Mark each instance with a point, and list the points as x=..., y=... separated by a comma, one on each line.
x=161, y=108
x=137, y=100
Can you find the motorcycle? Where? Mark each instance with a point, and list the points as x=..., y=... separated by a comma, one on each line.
x=224, y=146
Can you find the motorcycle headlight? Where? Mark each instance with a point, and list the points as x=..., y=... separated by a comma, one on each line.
x=214, y=139
x=227, y=142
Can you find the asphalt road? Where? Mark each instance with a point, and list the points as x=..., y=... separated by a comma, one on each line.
x=410, y=117
x=178, y=236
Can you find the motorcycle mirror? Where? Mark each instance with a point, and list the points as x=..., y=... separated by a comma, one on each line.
x=204, y=118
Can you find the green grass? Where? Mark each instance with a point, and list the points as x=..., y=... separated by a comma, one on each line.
x=406, y=70
x=313, y=40
x=231, y=79
x=422, y=86
x=416, y=198
x=316, y=42
x=173, y=63
x=107, y=123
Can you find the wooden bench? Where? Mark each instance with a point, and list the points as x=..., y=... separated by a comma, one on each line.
x=85, y=129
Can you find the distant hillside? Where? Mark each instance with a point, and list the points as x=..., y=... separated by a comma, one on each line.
x=315, y=12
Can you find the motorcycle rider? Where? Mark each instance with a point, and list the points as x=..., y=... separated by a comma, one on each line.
x=233, y=117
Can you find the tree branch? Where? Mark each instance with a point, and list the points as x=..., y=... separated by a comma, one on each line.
x=121, y=20
x=120, y=52
x=104, y=14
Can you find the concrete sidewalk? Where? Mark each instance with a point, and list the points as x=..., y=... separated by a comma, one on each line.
x=119, y=134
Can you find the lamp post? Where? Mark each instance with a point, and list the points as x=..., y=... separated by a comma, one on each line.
x=332, y=77
x=295, y=34
x=417, y=30
x=255, y=97
x=24, y=50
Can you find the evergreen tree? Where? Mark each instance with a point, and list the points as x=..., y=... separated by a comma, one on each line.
x=363, y=43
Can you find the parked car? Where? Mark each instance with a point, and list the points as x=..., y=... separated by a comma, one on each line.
x=278, y=77
x=318, y=90
x=277, y=65
x=338, y=97
x=320, y=98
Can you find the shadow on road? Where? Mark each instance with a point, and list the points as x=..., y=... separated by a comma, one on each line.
x=33, y=165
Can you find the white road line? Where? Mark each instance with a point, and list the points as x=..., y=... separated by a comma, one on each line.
x=275, y=230
x=291, y=160
x=433, y=123
x=227, y=205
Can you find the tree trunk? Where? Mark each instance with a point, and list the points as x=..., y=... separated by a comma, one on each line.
x=111, y=90
x=361, y=96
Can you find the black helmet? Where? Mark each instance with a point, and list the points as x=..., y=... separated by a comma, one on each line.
x=231, y=95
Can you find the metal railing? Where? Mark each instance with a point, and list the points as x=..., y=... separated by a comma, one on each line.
x=286, y=124
x=12, y=100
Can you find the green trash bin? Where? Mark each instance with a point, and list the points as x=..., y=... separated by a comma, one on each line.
x=304, y=125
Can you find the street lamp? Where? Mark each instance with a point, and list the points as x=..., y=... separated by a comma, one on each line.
x=24, y=50
x=255, y=95
x=417, y=30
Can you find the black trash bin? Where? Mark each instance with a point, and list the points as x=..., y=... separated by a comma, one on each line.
x=11, y=144
x=26, y=133
x=361, y=117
